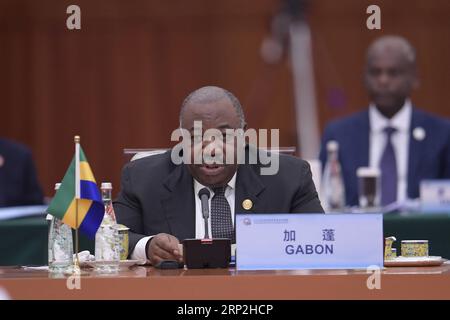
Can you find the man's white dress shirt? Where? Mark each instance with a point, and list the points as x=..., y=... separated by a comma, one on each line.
x=139, y=250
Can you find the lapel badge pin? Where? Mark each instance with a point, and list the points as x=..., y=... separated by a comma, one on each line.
x=419, y=133
x=247, y=204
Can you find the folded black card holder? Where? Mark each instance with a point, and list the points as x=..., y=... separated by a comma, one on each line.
x=207, y=253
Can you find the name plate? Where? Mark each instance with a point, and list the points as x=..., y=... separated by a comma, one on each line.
x=308, y=241
x=435, y=196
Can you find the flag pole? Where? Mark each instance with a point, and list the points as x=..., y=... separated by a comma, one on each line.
x=77, y=269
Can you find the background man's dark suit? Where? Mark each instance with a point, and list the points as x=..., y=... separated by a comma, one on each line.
x=158, y=196
x=428, y=158
x=18, y=180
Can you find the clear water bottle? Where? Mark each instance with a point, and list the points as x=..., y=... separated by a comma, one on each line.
x=60, y=245
x=107, y=243
x=333, y=189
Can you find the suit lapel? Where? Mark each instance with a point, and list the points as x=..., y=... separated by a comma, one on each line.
x=2, y=186
x=248, y=187
x=2, y=176
x=179, y=203
x=415, y=151
x=355, y=154
x=362, y=142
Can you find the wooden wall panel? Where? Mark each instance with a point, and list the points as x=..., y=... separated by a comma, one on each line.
x=119, y=81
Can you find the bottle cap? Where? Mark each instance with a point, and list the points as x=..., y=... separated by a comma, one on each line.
x=332, y=145
x=57, y=185
x=106, y=185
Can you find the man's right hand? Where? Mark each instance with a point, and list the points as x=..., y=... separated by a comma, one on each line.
x=164, y=246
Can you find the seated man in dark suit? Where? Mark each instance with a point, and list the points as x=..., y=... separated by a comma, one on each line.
x=19, y=184
x=407, y=144
x=159, y=200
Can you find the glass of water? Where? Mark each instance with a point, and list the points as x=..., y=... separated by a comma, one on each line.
x=368, y=187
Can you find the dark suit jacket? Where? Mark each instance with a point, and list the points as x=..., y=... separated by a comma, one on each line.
x=428, y=158
x=157, y=196
x=18, y=180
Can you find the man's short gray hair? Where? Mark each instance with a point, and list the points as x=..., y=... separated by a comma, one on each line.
x=212, y=94
x=396, y=42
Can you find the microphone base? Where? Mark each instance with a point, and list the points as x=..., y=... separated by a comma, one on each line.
x=207, y=253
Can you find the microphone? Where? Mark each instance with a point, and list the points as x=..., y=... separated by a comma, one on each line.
x=204, y=195
x=206, y=252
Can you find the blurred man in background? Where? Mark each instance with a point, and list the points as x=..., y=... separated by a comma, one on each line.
x=407, y=144
x=19, y=184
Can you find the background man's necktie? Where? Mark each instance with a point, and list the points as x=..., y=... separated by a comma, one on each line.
x=221, y=223
x=388, y=166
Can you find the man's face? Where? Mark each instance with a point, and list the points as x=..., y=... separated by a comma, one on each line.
x=220, y=115
x=389, y=80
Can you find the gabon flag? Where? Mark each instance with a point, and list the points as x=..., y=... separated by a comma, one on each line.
x=78, y=202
